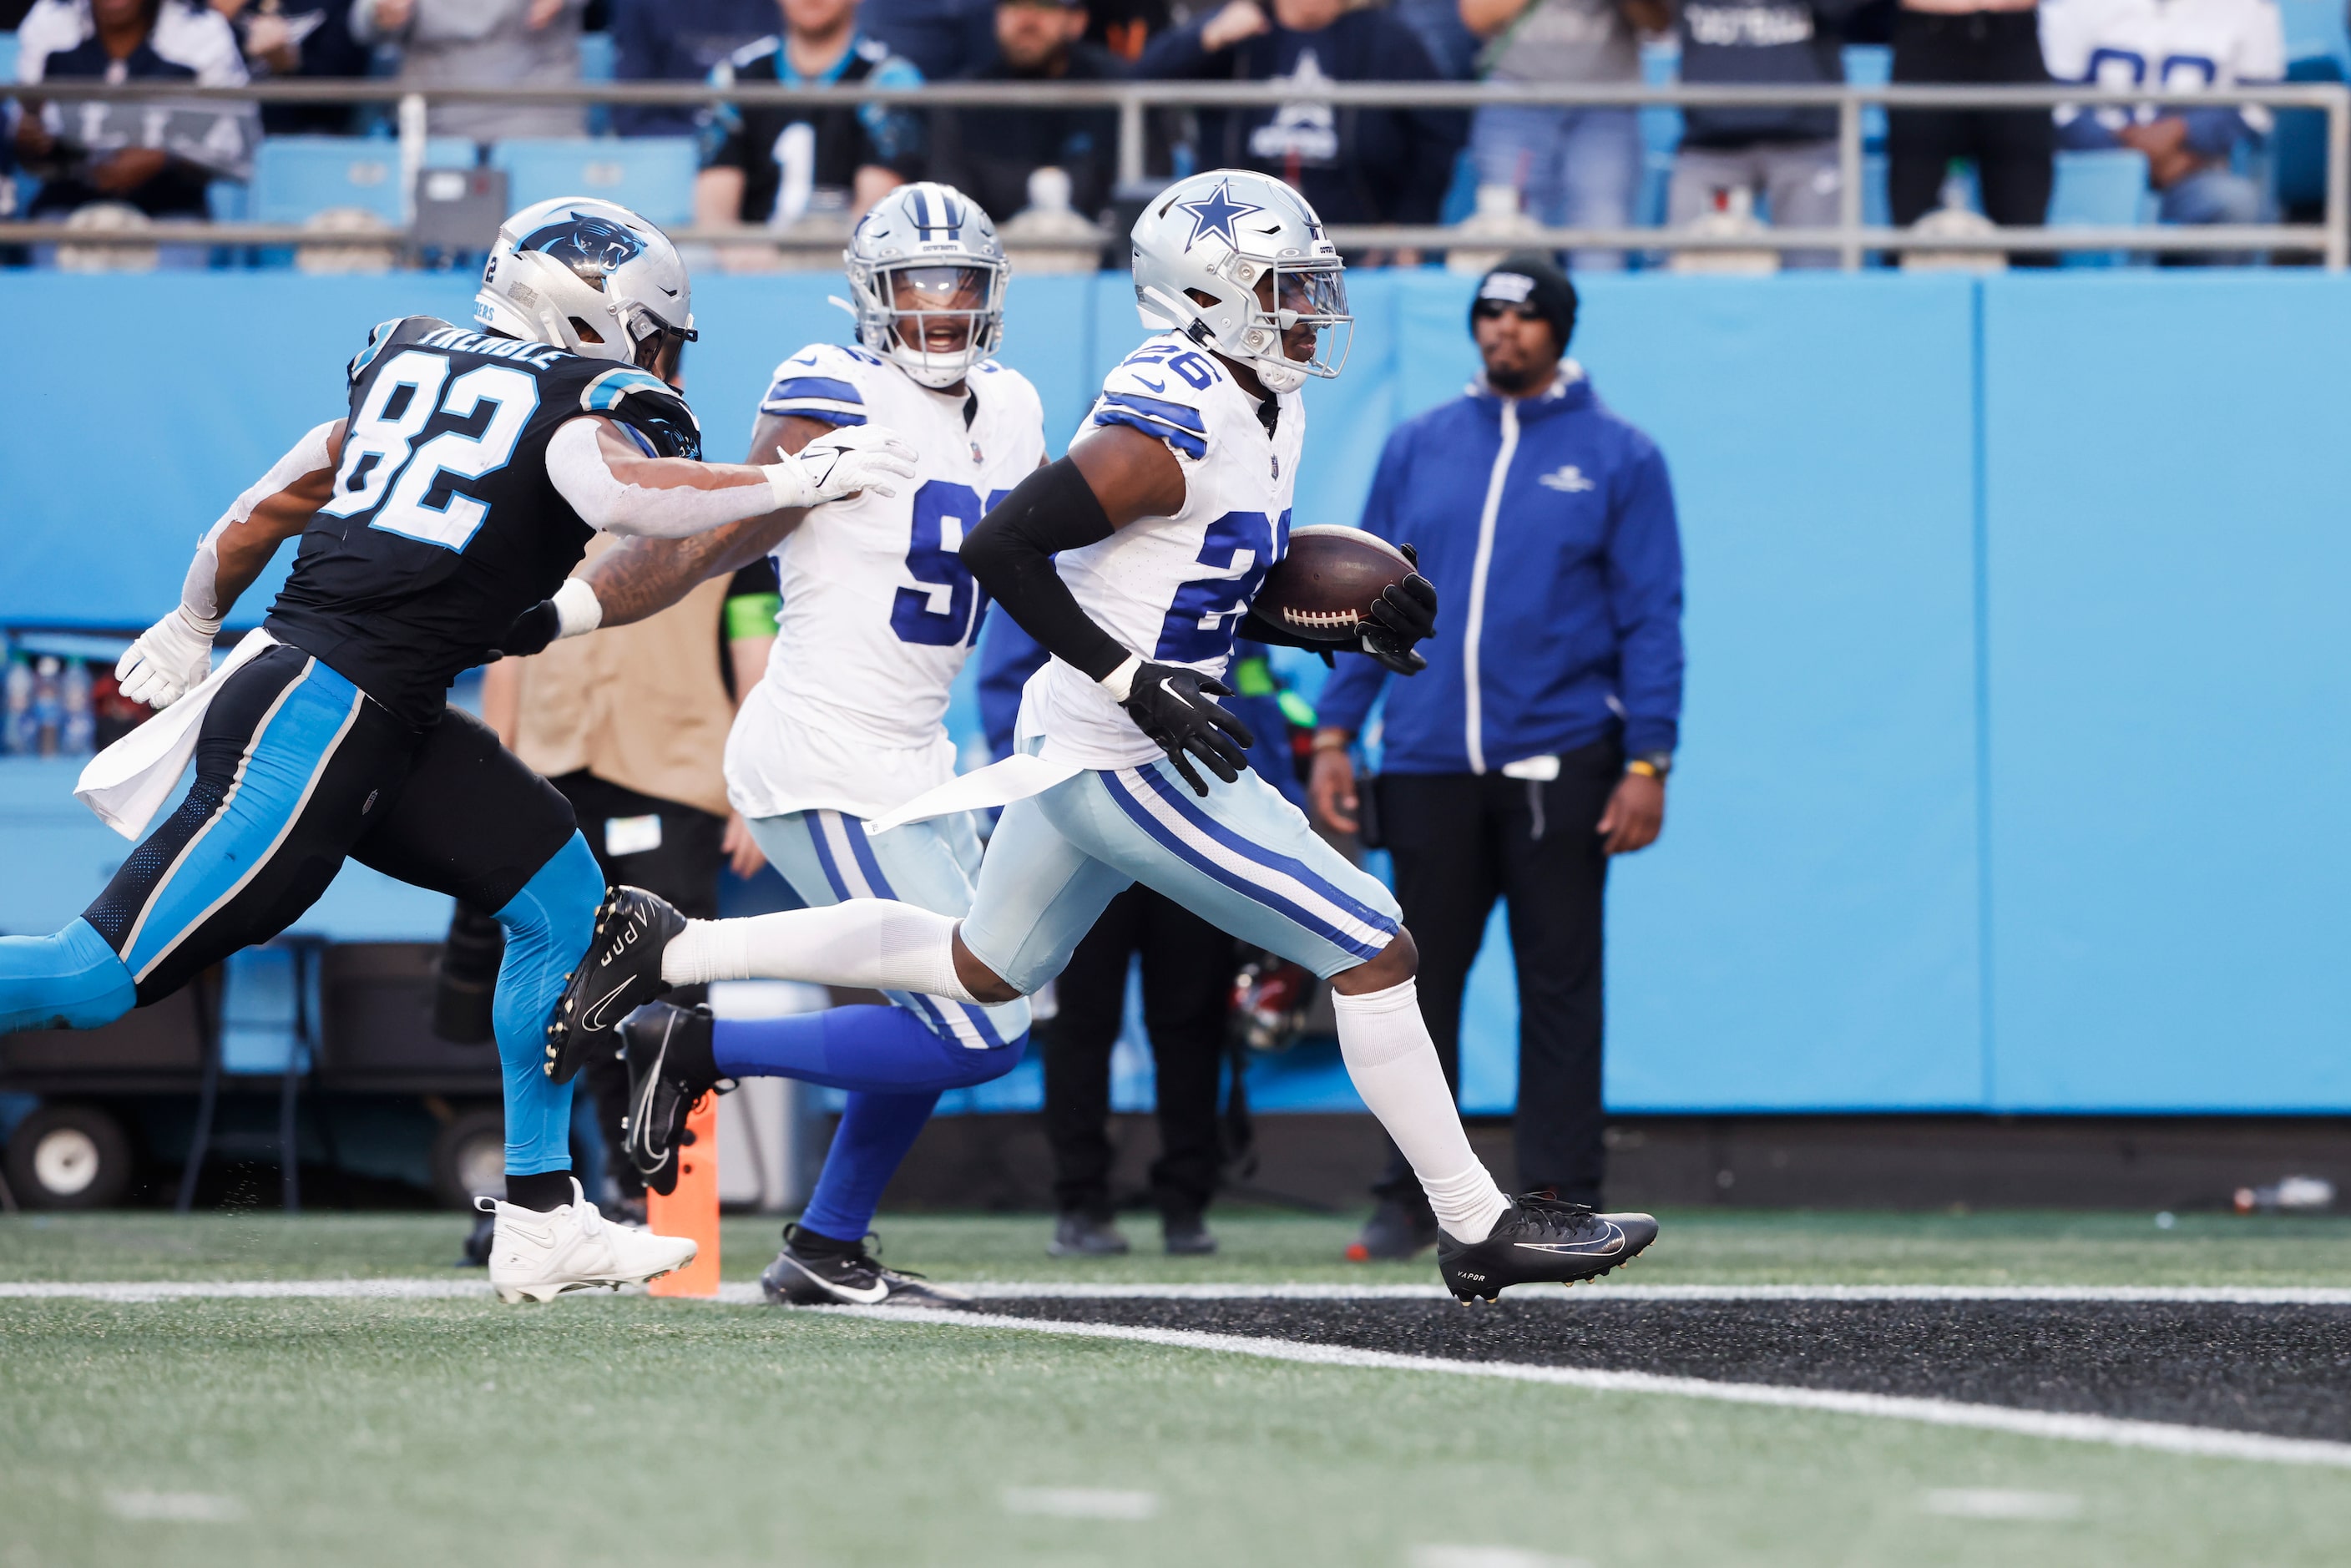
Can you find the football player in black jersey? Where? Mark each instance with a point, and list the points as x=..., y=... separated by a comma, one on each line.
x=454, y=497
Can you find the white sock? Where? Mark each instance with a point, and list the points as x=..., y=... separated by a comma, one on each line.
x=875, y=942
x=1393, y=1062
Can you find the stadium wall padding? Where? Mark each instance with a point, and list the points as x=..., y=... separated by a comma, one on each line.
x=2014, y=761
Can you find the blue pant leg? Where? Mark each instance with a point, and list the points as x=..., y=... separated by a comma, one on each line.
x=70, y=980
x=871, y=1144
x=547, y=926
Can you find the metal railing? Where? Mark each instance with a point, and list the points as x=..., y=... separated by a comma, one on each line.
x=1850, y=238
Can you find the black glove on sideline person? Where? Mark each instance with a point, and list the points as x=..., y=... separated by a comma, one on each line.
x=1170, y=704
x=532, y=631
x=1406, y=613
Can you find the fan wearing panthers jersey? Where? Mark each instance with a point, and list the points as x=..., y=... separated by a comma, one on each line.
x=879, y=614
x=1134, y=561
x=436, y=519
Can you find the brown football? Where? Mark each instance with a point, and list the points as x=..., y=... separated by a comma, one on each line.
x=1325, y=586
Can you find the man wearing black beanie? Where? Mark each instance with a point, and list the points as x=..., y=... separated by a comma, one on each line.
x=1536, y=745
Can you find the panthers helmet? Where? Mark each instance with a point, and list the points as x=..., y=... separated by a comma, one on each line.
x=1234, y=260
x=590, y=277
x=928, y=252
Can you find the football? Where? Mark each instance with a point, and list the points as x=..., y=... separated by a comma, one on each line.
x=1323, y=588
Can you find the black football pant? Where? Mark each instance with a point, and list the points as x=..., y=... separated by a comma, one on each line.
x=2015, y=150
x=683, y=868
x=1460, y=841
x=1188, y=983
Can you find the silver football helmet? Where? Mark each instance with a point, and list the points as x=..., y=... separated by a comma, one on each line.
x=1236, y=260
x=590, y=277
x=926, y=278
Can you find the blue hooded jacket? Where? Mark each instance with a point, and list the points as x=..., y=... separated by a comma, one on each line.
x=1547, y=526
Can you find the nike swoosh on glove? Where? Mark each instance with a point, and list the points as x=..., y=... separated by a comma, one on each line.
x=840, y=463
x=1170, y=705
x=1404, y=614
x=170, y=658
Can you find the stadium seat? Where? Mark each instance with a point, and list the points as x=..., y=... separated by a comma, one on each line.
x=652, y=175
x=2102, y=189
x=295, y=177
x=7, y=57
x=2314, y=27
x=596, y=64
x=2298, y=148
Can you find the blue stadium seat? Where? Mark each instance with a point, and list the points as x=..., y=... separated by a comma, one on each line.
x=2298, y=148
x=596, y=64
x=7, y=57
x=651, y=174
x=2314, y=27
x=2102, y=189
x=295, y=177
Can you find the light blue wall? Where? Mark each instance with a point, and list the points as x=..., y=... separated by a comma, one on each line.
x=2014, y=766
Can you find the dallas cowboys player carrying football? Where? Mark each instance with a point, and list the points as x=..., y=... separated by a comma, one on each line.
x=879, y=615
x=459, y=489
x=1164, y=517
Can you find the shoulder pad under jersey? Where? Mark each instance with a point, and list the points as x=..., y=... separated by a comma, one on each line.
x=1158, y=390
x=384, y=334
x=648, y=405
x=822, y=381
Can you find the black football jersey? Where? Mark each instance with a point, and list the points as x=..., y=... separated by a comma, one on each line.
x=443, y=527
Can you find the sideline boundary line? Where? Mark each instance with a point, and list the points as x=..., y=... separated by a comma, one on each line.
x=2111, y=1431
x=460, y=1287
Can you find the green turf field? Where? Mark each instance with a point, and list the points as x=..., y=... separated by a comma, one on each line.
x=605, y=1429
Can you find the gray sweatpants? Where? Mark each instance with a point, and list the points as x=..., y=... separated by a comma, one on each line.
x=1798, y=179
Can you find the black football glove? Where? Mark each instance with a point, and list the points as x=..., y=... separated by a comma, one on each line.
x=1403, y=614
x=532, y=631
x=1170, y=705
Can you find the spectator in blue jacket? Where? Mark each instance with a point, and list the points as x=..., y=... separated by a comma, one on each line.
x=677, y=40
x=1536, y=744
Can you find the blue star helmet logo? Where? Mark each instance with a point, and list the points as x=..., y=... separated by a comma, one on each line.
x=1215, y=214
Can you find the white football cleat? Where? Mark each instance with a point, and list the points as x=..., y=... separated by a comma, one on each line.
x=537, y=1255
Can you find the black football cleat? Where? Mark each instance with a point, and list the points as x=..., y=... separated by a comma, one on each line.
x=1396, y=1231
x=657, y=1044
x=815, y=1272
x=1077, y=1234
x=619, y=973
x=1539, y=1239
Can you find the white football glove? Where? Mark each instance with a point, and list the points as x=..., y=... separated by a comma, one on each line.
x=170, y=657
x=840, y=463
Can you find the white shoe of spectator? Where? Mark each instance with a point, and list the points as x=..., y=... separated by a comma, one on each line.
x=539, y=1255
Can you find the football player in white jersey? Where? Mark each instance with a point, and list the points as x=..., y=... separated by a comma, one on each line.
x=1134, y=560
x=879, y=614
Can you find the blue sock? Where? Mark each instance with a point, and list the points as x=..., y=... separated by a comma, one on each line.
x=548, y=925
x=884, y=1049
x=876, y=1131
x=70, y=980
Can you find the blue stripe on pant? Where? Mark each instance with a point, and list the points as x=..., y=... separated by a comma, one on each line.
x=894, y=1071
x=288, y=754
x=1243, y=859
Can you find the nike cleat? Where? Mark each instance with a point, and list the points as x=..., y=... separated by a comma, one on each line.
x=536, y=1256
x=1539, y=1239
x=807, y=1275
x=662, y=1091
x=619, y=973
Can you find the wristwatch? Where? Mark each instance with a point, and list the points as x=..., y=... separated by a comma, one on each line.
x=1652, y=764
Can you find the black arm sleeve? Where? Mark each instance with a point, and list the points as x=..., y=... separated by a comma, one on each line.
x=1011, y=553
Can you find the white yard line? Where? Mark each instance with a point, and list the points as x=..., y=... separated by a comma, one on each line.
x=2203, y=1442
x=459, y=1286
x=2162, y=1436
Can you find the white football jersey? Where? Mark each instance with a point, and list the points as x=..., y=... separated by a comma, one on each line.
x=1172, y=589
x=879, y=614
x=2162, y=44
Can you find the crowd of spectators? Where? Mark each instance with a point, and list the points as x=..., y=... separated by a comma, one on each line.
x=781, y=167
